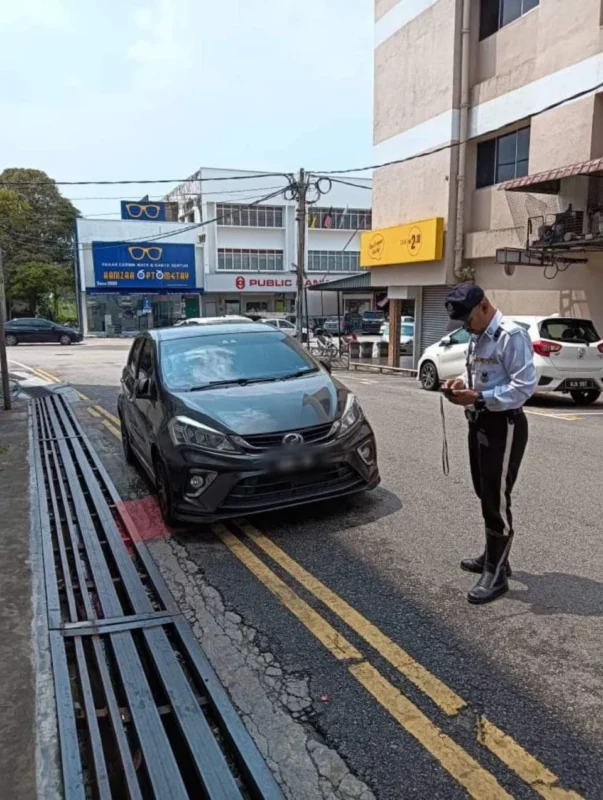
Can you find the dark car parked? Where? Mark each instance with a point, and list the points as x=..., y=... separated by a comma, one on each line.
x=33, y=329
x=339, y=325
x=372, y=322
x=230, y=420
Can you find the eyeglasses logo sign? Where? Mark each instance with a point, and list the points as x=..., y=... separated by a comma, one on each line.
x=137, y=253
x=143, y=210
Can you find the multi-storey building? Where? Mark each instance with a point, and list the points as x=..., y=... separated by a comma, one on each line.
x=493, y=110
x=250, y=251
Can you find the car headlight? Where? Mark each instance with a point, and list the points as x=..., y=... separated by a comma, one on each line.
x=185, y=431
x=352, y=415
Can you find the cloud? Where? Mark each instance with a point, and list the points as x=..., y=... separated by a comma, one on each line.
x=53, y=14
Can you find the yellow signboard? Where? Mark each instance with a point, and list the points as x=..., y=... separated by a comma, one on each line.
x=403, y=244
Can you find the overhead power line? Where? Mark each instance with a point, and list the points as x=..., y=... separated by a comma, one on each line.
x=4, y=183
x=159, y=197
x=450, y=145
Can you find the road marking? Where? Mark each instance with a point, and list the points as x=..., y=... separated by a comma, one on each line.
x=551, y=415
x=526, y=766
x=441, y=695
x=47, y=376
x=477, y=781
x=115, y=431
x=111, y=417
x=93, y=413
x=323, y=631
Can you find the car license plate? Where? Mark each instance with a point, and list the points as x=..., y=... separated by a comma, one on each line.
x=292, y=462
x=580, y=384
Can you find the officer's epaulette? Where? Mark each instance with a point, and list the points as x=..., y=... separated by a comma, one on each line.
x=508, y=326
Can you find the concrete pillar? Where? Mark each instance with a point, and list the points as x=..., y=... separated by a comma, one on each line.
x=395, y=312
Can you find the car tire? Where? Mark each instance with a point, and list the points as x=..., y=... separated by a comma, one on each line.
x=65, y=339
x=585, y=397
x=430, y=380
x=127, y=445
x=11, y=340
x=164, y=493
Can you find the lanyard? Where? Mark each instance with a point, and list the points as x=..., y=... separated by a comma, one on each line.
x=445, y=462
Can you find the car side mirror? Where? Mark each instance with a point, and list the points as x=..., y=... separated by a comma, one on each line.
x=144, y=389
x=324, y=362
x=446, y=341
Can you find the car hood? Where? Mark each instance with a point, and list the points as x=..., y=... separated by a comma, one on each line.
x=267, y=407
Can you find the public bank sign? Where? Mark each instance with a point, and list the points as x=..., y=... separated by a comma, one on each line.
x=143, y=211
x=141, y=266
x=403, y=244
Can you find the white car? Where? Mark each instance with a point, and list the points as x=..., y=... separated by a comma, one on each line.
x=385, y=325
x=211, y=320
x=284, y=325
x=407, y=336
x=568, y=356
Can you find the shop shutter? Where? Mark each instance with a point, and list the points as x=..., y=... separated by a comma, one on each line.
x=434, y=319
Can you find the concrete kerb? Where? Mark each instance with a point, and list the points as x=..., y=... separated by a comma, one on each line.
x=383, y=369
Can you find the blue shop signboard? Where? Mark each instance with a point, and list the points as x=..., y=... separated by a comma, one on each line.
x=143, y=210
x=143, y=266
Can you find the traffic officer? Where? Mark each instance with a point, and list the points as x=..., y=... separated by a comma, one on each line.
x=499, y=377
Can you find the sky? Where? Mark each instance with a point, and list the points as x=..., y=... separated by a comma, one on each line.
x=131, y=89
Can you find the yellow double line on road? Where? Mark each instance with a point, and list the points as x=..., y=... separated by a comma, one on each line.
x=474, y=778
x=466, y=770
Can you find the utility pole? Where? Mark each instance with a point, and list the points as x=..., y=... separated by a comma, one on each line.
x=3, y=358
x=302, y=192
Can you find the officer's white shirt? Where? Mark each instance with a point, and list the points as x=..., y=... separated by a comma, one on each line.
x=502, y=365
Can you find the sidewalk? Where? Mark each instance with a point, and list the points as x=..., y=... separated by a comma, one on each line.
x=18, y=685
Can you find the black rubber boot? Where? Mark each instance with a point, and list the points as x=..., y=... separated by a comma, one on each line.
x=477, y=565
x=493, y=582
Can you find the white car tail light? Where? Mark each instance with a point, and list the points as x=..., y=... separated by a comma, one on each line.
x=545, y=349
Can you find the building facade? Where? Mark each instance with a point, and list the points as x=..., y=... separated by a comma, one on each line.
x=494, y=111
x=250, y=241
x=137, y=273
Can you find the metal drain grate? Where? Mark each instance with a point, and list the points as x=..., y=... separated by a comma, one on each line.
x=141, y=712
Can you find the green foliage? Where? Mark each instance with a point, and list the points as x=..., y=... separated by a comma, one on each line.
x=39, y=284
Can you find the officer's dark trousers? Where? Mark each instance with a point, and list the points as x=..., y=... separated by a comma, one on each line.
x=497, y=442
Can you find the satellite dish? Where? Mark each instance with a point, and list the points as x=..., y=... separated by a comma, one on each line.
x=509, y=269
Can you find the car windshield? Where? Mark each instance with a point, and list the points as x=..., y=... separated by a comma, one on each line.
x=199, y=361
x=373, y=315
x=407, y=330
x=576, y=331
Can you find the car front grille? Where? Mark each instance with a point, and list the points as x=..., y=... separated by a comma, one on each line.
x=276, y=490
x=268, y=441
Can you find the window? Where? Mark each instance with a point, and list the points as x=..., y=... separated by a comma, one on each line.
x=41, y=324
x=134, y=351
x=345, y=219
x=145, y=365
x=230, y=260
x=263, y=355
x=459, y=337
x=333, y=261
x=495, y=14
x=572, y=331
x=503, y=159
x=249, y=216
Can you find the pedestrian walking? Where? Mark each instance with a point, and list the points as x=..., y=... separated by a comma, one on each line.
x=499, y=378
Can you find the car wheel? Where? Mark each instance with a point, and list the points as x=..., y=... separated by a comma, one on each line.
x=127, y=445
x=11, y=340
x=164, y=493
x=429, y=377
x=585, y=397
x=65, y=339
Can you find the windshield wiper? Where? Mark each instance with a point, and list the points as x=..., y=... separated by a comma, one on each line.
x=233, y=382
x=297, y=374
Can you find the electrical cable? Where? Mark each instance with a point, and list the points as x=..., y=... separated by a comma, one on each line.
x=180, y=181
x=450, y=145
x=345, y=183
x=166, y=235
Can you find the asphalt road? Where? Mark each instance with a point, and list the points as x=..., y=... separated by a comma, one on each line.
x=342, y=631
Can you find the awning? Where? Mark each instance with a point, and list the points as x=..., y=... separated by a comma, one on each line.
x=359, y=282
x=548, y=182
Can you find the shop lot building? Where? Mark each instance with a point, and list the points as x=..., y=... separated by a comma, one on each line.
x=509, y=95
x=223, y=242
x=250, y=251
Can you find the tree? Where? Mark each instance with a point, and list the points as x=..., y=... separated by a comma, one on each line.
x=36, y=223
x=39, y=284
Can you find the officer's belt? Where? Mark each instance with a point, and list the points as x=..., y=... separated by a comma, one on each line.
x=473, y=414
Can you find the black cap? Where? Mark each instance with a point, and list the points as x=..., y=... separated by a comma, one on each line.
x=462, y=299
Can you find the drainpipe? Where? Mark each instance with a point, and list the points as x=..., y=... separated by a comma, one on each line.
x=459, y=244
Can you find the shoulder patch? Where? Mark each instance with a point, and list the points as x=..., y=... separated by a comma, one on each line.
x=510, y=327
